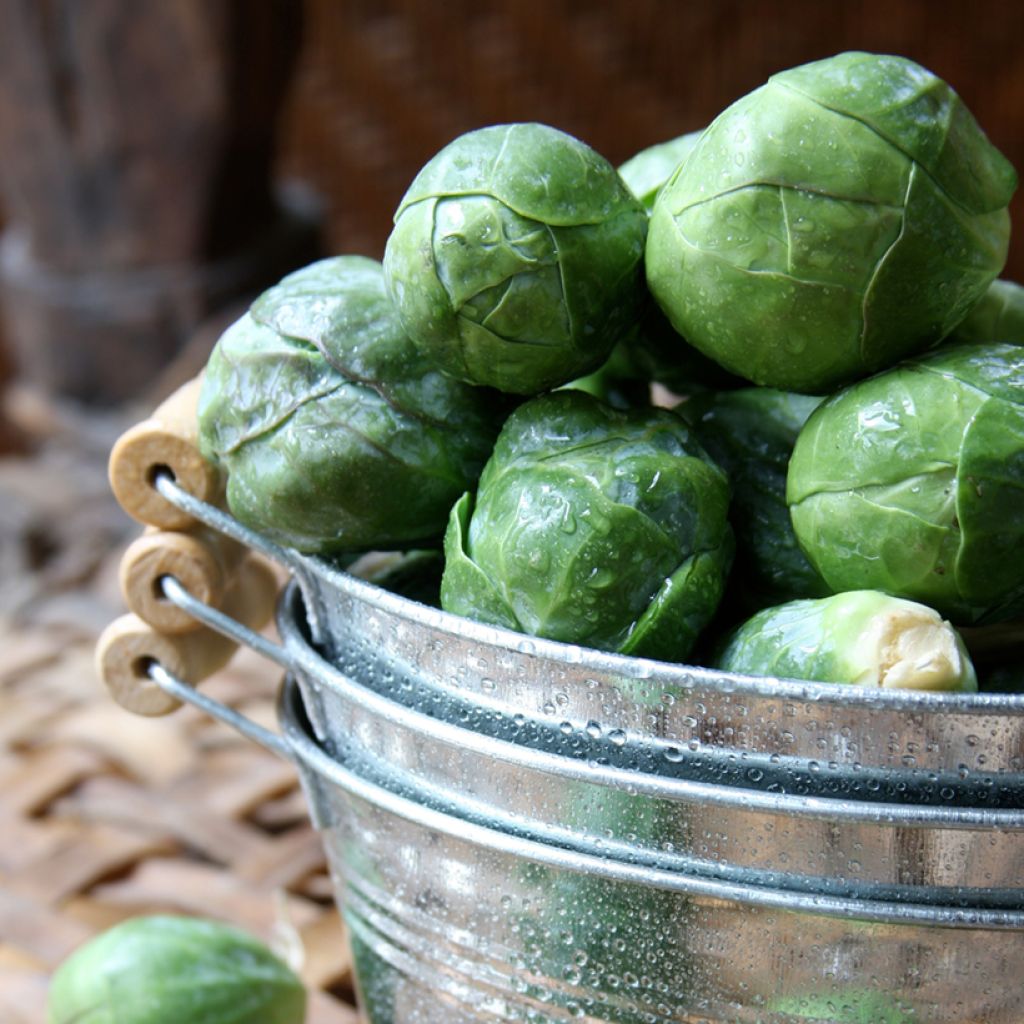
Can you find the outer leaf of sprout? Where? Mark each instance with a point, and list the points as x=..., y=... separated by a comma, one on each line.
x=336, y=434
x=750, y=433
x=647, y=171
x=998, y=316
x=912, y=482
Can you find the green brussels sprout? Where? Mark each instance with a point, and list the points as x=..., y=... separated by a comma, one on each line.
x=846, y=214
x=997, y=316
x=592, y=526
x=172, y=970
x=861, y=638
x=646, y=173
x=912, y=481
x=516, y=258
x=335, y=432
x=750, y=433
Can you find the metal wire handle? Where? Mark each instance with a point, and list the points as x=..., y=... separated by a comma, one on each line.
x=165, y=484
x=174, y=686
x=224, y=624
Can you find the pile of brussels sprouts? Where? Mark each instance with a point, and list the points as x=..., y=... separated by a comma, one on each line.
x=838, y=491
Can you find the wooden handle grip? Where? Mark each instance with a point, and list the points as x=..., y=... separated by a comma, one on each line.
x=202, y=560
x=128, y=644
x=168, y=439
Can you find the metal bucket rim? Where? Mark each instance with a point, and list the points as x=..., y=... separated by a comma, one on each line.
x=312, y=758
x=306, y=658
x=678, y=673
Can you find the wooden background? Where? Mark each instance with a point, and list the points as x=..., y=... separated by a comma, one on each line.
x=139, y=140
x=383, y=84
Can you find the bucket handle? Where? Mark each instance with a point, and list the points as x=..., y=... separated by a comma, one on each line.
x=180, y=690
x=165, y=484
x=242, y=635
x=133, y=687
x=145, y=675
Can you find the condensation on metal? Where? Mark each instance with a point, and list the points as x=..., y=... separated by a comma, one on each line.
x=307, y=751
x=933, y=854
x=395, y=644
x=453, y=920
x=531, y=799
x=303, y=657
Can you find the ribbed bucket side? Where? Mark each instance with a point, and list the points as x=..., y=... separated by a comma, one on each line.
x=453, y=922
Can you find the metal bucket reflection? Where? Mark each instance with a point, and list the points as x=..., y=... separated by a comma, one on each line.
x=935, y=748
x=453, y=920
x=719, y=820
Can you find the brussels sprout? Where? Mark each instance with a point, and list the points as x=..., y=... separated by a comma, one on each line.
x=844, y=215
x=862, y=638
x=750, y=433
x=516, y=258
x=592, y=526
x=647, y=172
x=336, y=433
x=912, y=483
x=998, y=316
x=172, y=970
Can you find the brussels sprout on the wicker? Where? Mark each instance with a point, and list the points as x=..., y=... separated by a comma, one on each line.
x=846, y=214
x=335, y=432
x=860, y=638
x=172, y=970
x=593, y=526
x=516, y=258
x=912, y=482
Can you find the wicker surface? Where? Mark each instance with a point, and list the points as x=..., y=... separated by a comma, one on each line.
x=104, y=815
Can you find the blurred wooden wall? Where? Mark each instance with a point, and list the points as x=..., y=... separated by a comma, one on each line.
x=383, y=84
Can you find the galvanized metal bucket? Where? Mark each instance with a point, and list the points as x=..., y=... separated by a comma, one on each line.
x=455, y=919
x=925, y=747
x=495, y=861
x=562, y=791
